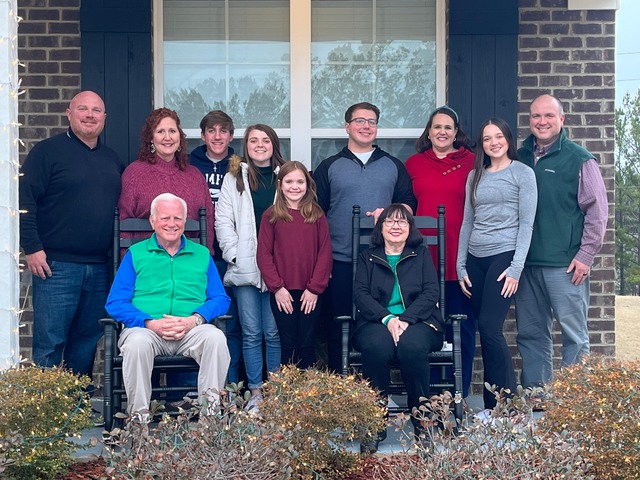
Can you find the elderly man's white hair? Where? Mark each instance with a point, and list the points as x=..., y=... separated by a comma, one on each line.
x=167, y=197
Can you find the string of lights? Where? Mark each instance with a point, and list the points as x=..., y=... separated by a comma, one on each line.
x=10, y=90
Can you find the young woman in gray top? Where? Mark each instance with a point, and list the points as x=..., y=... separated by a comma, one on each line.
x=499, y=210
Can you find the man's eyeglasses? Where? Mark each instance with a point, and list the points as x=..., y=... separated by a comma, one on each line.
x=390, y=222
x=361, y=121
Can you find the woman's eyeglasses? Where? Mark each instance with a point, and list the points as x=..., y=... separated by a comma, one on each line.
x=390, y=222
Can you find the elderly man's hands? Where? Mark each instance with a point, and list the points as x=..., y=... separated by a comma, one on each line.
x=170, y=327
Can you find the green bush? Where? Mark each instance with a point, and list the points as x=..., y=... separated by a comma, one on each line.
x=599, y=399
x=39, y=410
x=321, y=411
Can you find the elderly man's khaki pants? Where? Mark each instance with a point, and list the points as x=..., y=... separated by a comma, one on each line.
x=206, y=344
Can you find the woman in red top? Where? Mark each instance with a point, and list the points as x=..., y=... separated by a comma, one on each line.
x=439, y=173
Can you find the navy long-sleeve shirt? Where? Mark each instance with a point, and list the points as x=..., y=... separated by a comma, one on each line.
x=69, y=192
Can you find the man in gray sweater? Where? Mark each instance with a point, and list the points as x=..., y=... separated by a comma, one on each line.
x=360, y=174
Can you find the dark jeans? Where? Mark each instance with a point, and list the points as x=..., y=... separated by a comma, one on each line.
x=297, y=331
x=374, y=341
x=66, y=310
x=337, y=301
x=491, y=309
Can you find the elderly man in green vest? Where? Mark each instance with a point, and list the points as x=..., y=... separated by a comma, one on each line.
x=165, y=293
x=568, y=232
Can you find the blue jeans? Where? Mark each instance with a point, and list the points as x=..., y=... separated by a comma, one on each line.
x=257, y=322
x=66, y=310
x=234, y=330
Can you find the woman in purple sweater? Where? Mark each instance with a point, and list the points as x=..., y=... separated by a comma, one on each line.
x=295, y=260
x=162, y=167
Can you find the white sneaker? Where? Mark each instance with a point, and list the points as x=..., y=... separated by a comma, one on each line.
x=253, y=405
x=484, y=416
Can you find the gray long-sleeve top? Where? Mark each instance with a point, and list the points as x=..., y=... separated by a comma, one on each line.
x=502, y=219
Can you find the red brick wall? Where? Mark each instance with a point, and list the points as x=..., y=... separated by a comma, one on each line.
x=571, y=54
x=49, y=49
x=567, y=53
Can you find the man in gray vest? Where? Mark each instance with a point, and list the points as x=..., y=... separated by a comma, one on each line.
x=568, y=232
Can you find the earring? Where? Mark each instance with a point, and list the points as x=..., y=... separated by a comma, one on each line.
x=179, y=149
x=153, y=148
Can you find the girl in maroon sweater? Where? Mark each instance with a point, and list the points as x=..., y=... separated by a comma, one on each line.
x=294, y=257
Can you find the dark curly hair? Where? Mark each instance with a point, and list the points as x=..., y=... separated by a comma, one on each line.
x=146, y=137
x=461, y=140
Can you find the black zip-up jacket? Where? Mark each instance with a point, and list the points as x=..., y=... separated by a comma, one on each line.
x=418, y=283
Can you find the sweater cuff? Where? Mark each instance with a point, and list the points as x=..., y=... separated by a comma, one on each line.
x=386, y=319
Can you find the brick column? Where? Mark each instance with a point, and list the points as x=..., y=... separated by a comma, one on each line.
x=571, y=54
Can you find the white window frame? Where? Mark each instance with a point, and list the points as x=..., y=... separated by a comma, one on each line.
x=300, y=133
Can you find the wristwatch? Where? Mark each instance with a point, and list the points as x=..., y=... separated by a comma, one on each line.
x=199, y=319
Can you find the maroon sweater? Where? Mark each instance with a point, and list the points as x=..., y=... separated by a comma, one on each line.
x=143, y=181
x=295, y=255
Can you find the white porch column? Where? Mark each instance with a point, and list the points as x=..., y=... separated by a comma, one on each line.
x=9, y=169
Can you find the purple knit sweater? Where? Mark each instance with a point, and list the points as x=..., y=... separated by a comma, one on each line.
x=142, y=182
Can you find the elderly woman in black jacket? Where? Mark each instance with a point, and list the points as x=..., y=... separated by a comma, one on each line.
x=396, y=293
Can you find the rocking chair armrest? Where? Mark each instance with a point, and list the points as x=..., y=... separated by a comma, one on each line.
x=221, y=322
x=108, y=323
x=342, y=318
x=456, y=317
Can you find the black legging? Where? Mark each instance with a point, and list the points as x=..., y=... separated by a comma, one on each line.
x=297, y=331
x=490, y=309
x=374, y=341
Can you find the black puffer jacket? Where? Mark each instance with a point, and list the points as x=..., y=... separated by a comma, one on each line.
x=418, y=286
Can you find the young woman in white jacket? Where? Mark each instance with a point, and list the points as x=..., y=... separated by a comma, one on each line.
x=248, y=189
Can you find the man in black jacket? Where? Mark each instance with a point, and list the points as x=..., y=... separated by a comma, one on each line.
x=69, y=189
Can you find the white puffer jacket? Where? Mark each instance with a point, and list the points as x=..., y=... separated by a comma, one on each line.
x=236, y=229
